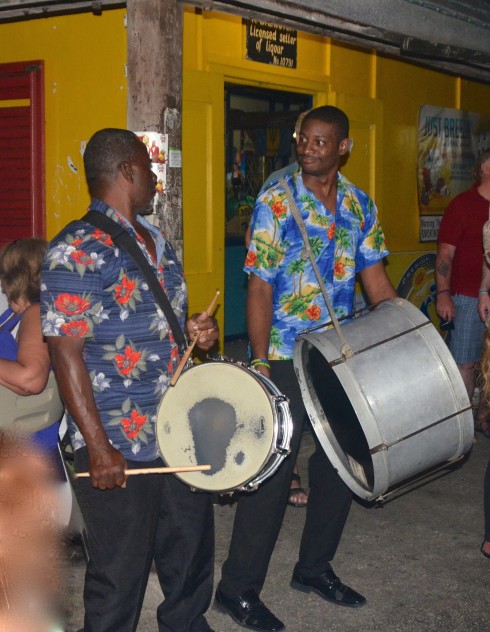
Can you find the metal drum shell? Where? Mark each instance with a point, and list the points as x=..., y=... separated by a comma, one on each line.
x=404, y=389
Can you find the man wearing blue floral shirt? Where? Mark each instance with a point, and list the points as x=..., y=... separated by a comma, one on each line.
x=284, y=298
x=114, y=355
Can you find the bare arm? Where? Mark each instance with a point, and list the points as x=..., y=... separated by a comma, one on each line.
x=28, y=374
x=259, y=317
x=444, y=264
x=376, y=283
x=483, y=297
x=106, y=464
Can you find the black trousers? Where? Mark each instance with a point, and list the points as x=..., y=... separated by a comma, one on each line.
x=155, y=518
x=259, y=514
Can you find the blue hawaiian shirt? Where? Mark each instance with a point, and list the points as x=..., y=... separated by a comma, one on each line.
x=93, y=290
x=343, y=244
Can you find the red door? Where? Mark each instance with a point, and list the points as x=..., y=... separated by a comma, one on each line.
x=22, y=186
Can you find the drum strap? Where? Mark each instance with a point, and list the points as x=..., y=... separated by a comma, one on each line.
x=346, y=349
x=124, y=240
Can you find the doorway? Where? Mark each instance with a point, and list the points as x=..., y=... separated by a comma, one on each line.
x=259, y=139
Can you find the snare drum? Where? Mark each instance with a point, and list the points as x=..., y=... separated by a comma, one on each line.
x=228, y=416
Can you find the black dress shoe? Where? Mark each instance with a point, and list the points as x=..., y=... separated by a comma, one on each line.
x=248, y=611
x=328, y=586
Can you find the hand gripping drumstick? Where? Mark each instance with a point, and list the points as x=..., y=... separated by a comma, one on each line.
x=189, y=349
x=157, y=470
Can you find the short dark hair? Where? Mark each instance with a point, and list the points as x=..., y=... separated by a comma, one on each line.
x=104, y=153
x=20, y=268
x=333, y=116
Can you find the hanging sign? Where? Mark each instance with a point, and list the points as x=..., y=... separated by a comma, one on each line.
x=157, y=146
x=449, y=141
x=271, y=44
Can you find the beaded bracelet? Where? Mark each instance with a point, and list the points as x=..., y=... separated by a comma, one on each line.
x=483, y=292
x=260, y=362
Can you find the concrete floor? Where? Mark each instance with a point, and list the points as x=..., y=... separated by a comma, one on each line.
x=416, y=559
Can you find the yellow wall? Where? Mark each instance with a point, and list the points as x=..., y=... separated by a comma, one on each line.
x=213, y=56
x=403, y=88
x=355, y=79
x=85, y=89
x=381, y=96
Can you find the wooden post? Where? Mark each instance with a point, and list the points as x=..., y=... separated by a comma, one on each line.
x=155, y=39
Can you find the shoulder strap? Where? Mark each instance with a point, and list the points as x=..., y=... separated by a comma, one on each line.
x=346, y=350
x=124, y=240
x=8, y=320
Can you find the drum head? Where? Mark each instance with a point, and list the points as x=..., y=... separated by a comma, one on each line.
x=218, y=414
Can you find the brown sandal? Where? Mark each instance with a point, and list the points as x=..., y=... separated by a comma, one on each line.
x=297, y=490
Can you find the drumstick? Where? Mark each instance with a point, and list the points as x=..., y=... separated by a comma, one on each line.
x=157, y=470
x=189, y=349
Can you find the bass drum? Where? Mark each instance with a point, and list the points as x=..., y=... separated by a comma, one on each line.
x=228, y=416
x=394, y=408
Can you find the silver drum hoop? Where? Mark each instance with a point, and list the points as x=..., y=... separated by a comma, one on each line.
x=229, y=416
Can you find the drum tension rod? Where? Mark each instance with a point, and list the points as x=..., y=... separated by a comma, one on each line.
x=387, y=446
x=345, y=357
x=282, y=451
x=281, y=398
x=412, y=483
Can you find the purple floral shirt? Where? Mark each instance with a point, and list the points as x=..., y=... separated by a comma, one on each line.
x=93, y=290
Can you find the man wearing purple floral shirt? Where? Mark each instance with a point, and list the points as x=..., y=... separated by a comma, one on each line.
x=114, y=355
